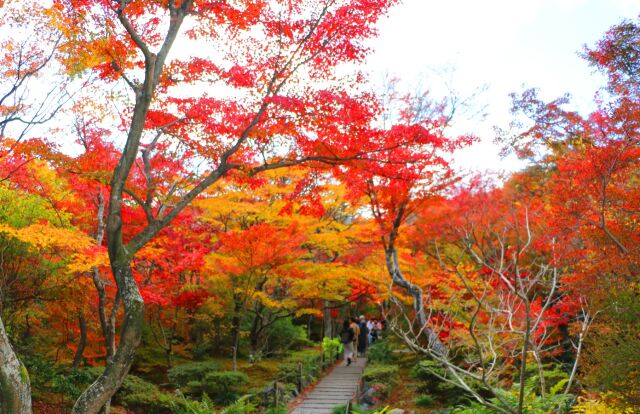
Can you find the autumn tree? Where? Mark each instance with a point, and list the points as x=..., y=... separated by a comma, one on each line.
x=396, y=186
x=271, y=90
x=589, y=164
x=23, y=61
x=282, y=249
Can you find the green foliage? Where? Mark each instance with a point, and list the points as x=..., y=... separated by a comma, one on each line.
x=136, y=394
x=331, y=347
x=380, y=352
x=275, y=410
x=156, y=402
x=183, y=374
x=380, y=373
x=355, y=409
x=284, y=336
x=554, y=401
x=136, y=385
x=309, y=360
x=185, y=406
x=611, y=355
x=429, y=373
x=19, y=209
x=424, y=401
x=533, y=404
x=52, y=378
x=222, y=386
x=242, y=406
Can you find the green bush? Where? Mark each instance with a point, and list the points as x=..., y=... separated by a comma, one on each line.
x=285, y=336
x=424, y=401
x=136, y=385
x=48, y=378
x=355, y=408
x=331, y=348
x=534, y=404
x=380, y=373
x=149, y=403
x=380, y=352
x=183, y=374
x=185, y=406
x=275, y=410
x=223, y=386
x=70, y=384
x=289, y=369
x=242, y=406
x=428, y=372
x=141, y=396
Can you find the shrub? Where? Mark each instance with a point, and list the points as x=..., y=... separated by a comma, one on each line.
x=141, y=396
x=424, y=401
x=380, y=373
x=156, y=402
x=289, y=370
x=183, y=374
x=136, y=385
x=71, y=384
x=427, y=372
x=284, y=336
x=223, y=386
x=57, y=379
x=355, y=408
x=380, y=352
x=242, y=406
x=275, y=410
x=331, y=348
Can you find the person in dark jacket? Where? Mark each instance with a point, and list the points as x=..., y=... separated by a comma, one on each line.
x=346, y=337
x=362, y=336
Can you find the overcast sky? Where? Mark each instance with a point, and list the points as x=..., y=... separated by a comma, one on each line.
x=503, y=43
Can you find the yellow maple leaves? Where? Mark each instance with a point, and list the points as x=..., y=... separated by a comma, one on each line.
x=44, y=237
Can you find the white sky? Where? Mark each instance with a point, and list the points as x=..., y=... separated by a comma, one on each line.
x=503, y=43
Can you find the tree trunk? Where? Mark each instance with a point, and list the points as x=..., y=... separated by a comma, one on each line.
x=326, y=320
x=100, y=392
x=256, y=328
x=15, y=389
x=217, y=337
x=235, y=332
x=77, y=359
x=393, y=267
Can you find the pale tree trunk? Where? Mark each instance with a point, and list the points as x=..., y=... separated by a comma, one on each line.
x=107, y=322
x=120, y=254
x=100, y=392
x=326, y=320
x=15, y=389
x=235, y=333
x=393, y=268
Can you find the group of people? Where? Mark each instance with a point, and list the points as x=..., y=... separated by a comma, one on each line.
x=357, y=335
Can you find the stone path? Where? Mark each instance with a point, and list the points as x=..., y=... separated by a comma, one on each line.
x=335, y=389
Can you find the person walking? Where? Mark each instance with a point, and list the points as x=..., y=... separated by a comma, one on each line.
x=356, y=330
x=362, y=336
x=346, y=337
x=373, y=331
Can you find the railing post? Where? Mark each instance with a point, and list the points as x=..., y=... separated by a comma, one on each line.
x=275, y=393
x=300, y=377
